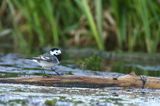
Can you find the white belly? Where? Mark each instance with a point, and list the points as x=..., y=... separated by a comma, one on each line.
x=45, y=64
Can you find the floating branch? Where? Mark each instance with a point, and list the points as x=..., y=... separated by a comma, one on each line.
x=89, y=82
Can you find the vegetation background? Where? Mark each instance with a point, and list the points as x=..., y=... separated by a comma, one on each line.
x=27, y=26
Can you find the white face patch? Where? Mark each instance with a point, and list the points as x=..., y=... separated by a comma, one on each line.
x=55, y=52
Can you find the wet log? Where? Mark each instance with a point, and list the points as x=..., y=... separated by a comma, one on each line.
x=89, y=82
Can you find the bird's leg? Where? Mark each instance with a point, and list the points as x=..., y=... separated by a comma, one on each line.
x=54, y=69
x=44, y=73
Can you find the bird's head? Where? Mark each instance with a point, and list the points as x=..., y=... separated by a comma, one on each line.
x=55, y=52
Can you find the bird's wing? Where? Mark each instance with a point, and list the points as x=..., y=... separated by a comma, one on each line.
x=46, y=58
x=41, y=57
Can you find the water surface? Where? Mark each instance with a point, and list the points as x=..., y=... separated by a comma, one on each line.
x=12, y=65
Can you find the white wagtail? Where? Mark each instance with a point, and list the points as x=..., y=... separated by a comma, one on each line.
x=49, y=60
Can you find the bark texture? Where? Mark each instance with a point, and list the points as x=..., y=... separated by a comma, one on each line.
x=89, y=82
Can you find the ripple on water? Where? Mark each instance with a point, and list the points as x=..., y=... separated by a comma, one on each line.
x=30, y=94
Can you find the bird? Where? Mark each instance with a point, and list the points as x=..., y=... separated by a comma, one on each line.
x=49, y=59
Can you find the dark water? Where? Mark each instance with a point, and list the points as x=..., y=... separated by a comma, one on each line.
x=139, y=69
x=12, y=65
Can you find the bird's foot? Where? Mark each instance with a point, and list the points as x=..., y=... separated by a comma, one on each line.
x=47, y=76
x=57, y=73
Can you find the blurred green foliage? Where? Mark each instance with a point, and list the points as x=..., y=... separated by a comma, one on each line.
x=92, y=63
x=50, y=102
x=130, y=25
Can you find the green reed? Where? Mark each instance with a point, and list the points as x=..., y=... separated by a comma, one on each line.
x=86, y=10
x=39, y=23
